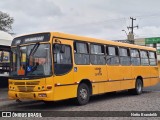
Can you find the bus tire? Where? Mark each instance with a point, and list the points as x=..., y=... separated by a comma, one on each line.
x=83, y=94
x=138, y=87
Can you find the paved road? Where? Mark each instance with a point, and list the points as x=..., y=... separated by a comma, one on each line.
x=121, y=101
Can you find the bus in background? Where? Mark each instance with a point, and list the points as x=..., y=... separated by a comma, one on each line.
x=56, y=66
x=5, y=49
x=4, y=60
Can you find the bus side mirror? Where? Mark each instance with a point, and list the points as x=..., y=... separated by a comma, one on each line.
x=63, y=49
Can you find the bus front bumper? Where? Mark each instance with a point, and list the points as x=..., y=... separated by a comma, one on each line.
x=42, y=95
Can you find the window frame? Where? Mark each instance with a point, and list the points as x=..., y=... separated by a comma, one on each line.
x=74, y=46
x=155, y=55
x=128, y=56
x=103, y=49
x=142, y=50
x=116, y=54
x=135, y=57
x=63, y=64
x=88, y=51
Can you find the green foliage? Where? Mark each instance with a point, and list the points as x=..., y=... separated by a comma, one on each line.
x=5, y=22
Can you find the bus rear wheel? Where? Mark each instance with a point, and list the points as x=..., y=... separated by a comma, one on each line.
x=138, y=87
x=83, y=94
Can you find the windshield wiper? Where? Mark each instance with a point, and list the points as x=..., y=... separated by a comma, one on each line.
x=32, y=52
x=34, y=49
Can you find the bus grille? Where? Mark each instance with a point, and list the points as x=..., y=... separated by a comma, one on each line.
x=19, y=83
x=32, y=83
x=25, y=88
x=27, y=83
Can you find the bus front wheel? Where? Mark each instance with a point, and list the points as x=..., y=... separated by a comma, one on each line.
x=83, y=94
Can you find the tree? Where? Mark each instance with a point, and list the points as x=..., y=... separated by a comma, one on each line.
x=5, y=22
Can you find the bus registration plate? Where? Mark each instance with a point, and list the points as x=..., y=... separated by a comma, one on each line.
x=26, y=95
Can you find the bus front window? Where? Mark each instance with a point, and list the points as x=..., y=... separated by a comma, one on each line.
x=36, y=64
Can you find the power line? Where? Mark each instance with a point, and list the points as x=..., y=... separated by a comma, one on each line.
x=95, y=23
x=147, y=16
x=110, y=20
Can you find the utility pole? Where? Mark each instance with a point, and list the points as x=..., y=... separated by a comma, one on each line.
x=130, y=34
x=132, y=27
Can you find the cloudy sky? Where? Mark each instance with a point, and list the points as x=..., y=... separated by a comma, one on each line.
x=94, y=18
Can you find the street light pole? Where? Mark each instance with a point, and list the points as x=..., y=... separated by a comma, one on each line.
x=126, y=33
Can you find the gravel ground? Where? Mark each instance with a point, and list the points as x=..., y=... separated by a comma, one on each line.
x=121, y=101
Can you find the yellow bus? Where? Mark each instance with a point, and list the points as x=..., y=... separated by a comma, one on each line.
x=56, y=66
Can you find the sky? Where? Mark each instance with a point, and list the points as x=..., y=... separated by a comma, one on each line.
x=103, y=19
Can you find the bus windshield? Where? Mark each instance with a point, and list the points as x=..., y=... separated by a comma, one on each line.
x=33, y=60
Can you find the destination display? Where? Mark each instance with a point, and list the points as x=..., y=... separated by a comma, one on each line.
x=41, y=37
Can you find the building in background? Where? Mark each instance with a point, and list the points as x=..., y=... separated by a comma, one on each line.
x=5, y=39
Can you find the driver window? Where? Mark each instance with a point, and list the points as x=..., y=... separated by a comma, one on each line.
x=62, y=57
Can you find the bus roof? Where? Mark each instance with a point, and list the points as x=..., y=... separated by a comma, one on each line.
x=102, y=41
x=94, y=40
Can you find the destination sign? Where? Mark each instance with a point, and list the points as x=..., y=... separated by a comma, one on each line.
x=41, y=37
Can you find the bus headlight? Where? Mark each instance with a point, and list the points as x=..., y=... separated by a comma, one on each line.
x=12, y=88
x=43, y=88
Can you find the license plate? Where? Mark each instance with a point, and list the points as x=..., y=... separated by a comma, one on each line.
x=26, y=95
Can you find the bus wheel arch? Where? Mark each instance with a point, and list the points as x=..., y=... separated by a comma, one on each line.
x=84, y=91
x=88, y=83
x=140, y=78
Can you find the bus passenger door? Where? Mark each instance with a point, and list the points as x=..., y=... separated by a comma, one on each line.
x=63, y=69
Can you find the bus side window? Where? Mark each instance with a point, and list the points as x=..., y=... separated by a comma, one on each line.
x=144, y=58
x=135, y=57
x=97, y=54
x=152, y=58
x=124, y=56
x=112, y=55
x=81, y=53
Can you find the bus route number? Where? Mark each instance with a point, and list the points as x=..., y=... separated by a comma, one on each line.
x=98, y=72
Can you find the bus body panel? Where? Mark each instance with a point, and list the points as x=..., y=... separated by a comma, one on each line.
x=154, y=73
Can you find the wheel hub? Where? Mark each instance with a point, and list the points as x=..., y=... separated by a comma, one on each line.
x=83, y=93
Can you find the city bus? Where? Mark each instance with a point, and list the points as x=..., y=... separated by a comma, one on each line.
x=53, y=66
